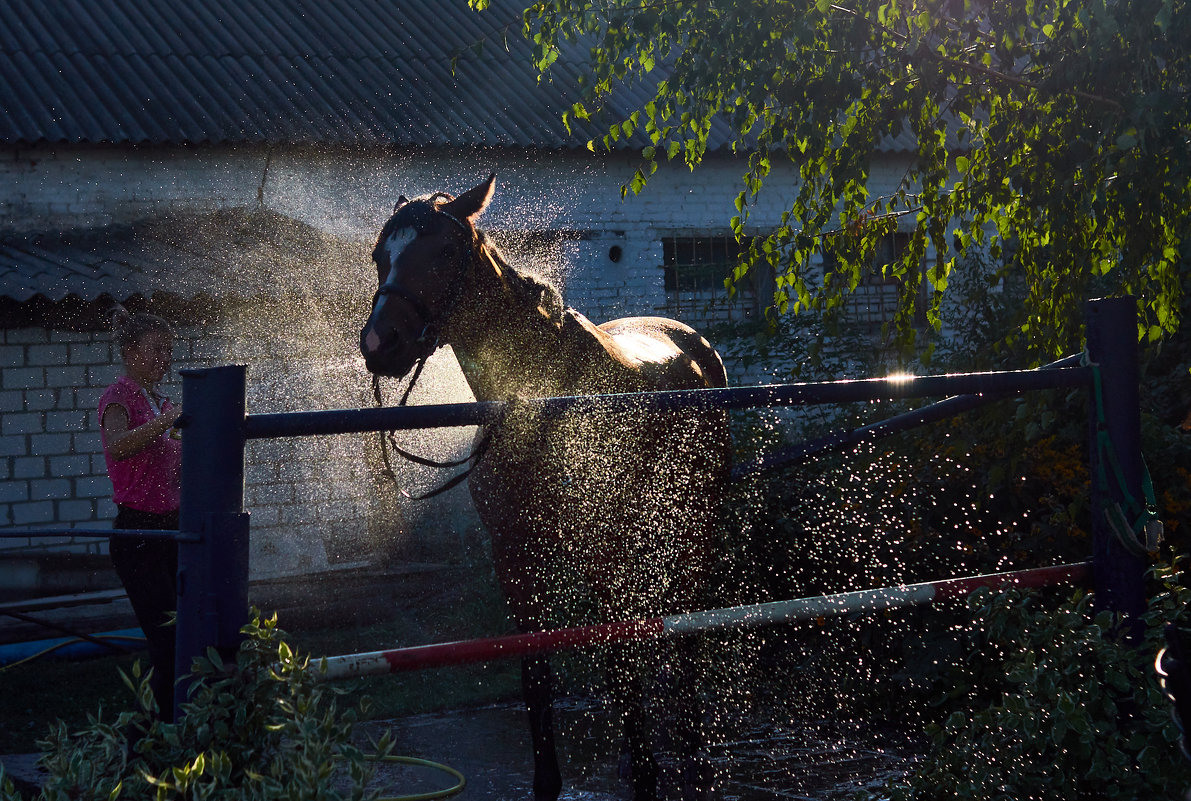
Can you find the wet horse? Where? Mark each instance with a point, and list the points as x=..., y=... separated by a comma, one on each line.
x=594, y=517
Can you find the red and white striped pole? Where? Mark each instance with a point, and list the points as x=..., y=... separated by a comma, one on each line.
x=454, y=653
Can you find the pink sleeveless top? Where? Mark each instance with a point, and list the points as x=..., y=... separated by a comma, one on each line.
x=150, y=481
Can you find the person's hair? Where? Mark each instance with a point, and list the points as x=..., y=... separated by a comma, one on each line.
x=128, y=329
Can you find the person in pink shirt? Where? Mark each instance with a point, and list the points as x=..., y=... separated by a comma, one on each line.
x=144, y=461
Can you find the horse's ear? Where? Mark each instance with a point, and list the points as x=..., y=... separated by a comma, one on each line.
x=401, y=201
x=471, y=204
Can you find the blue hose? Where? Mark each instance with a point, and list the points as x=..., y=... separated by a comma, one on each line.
x=17, y=653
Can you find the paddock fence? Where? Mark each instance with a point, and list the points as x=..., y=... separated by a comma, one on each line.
x=214, y=527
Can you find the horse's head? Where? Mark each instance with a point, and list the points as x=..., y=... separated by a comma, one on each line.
x=423, y=257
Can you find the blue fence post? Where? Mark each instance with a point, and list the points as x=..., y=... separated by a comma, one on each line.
x=1112, y=347
x=213, y=547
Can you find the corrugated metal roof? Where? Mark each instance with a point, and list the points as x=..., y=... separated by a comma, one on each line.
x=286, y=71
x=298, y=71
x=219, y=255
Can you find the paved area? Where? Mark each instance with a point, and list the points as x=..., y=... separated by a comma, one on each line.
x=22, y=769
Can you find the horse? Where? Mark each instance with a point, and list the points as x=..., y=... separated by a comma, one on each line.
x=592, y=517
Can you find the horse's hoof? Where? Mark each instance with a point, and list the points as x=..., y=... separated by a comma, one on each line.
x=699, y=780
x=547, y=791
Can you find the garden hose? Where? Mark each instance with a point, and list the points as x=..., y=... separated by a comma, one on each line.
x=64, y=643
x=68, y=631
x=1134, y=522
x=423, y=763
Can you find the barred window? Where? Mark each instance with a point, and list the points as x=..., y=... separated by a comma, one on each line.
x=874, y=301
x=694, y=270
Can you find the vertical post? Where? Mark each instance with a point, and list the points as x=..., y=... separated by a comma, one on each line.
x=1112, y=346
x=213, y=550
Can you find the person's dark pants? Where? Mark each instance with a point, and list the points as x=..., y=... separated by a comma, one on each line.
x=148, y=569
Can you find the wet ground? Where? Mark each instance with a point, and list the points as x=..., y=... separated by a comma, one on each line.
x=820, y=760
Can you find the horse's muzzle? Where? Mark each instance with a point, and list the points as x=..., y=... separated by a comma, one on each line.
x=385, y=358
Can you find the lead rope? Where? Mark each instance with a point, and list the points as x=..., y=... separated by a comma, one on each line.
x=388, y=440
x=1129, y=521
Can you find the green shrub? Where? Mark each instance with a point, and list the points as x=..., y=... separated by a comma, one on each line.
x=263, y=728
x=1055, y=704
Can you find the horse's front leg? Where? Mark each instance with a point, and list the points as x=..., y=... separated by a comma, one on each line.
x=535, y=684
x=697, y=778
x=626, y=679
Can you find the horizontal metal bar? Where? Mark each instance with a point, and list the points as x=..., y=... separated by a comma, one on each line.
x=45, y=602
x=101, y=533
x=838, y=440
x=343, y=421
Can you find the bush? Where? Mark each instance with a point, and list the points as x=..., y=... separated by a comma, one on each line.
x=263, y=728
x=1055, y=704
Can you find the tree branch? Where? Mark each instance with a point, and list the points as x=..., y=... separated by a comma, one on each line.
x=980, y=69
x=966, y=66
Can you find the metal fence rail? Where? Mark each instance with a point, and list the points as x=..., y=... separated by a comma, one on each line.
x=96, y=533
x=343, y=421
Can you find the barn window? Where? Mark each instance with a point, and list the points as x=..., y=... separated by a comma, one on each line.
x=694, y=269
x=874, y=301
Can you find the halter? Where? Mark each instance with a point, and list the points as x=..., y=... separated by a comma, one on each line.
x=388, y=439
x=426, y=318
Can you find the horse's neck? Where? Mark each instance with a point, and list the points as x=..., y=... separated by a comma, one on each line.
x=505, y=346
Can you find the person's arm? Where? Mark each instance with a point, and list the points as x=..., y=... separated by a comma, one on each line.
x=124, y=442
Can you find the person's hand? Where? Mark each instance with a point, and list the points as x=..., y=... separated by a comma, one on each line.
x=171, y=416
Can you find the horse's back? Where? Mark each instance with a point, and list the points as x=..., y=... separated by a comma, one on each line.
x=676, y=354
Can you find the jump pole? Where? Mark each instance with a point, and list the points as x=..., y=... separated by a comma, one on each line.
x=377, y=663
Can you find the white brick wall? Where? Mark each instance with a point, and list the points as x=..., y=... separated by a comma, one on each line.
x=351, y=192
x=46, y=433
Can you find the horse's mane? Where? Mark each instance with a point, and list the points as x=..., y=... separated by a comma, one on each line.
x=527, y=288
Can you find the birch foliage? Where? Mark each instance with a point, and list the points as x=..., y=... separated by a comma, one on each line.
x=1052, y=135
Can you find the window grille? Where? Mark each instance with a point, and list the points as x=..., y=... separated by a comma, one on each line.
x=694, y=268
x=874, y=301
